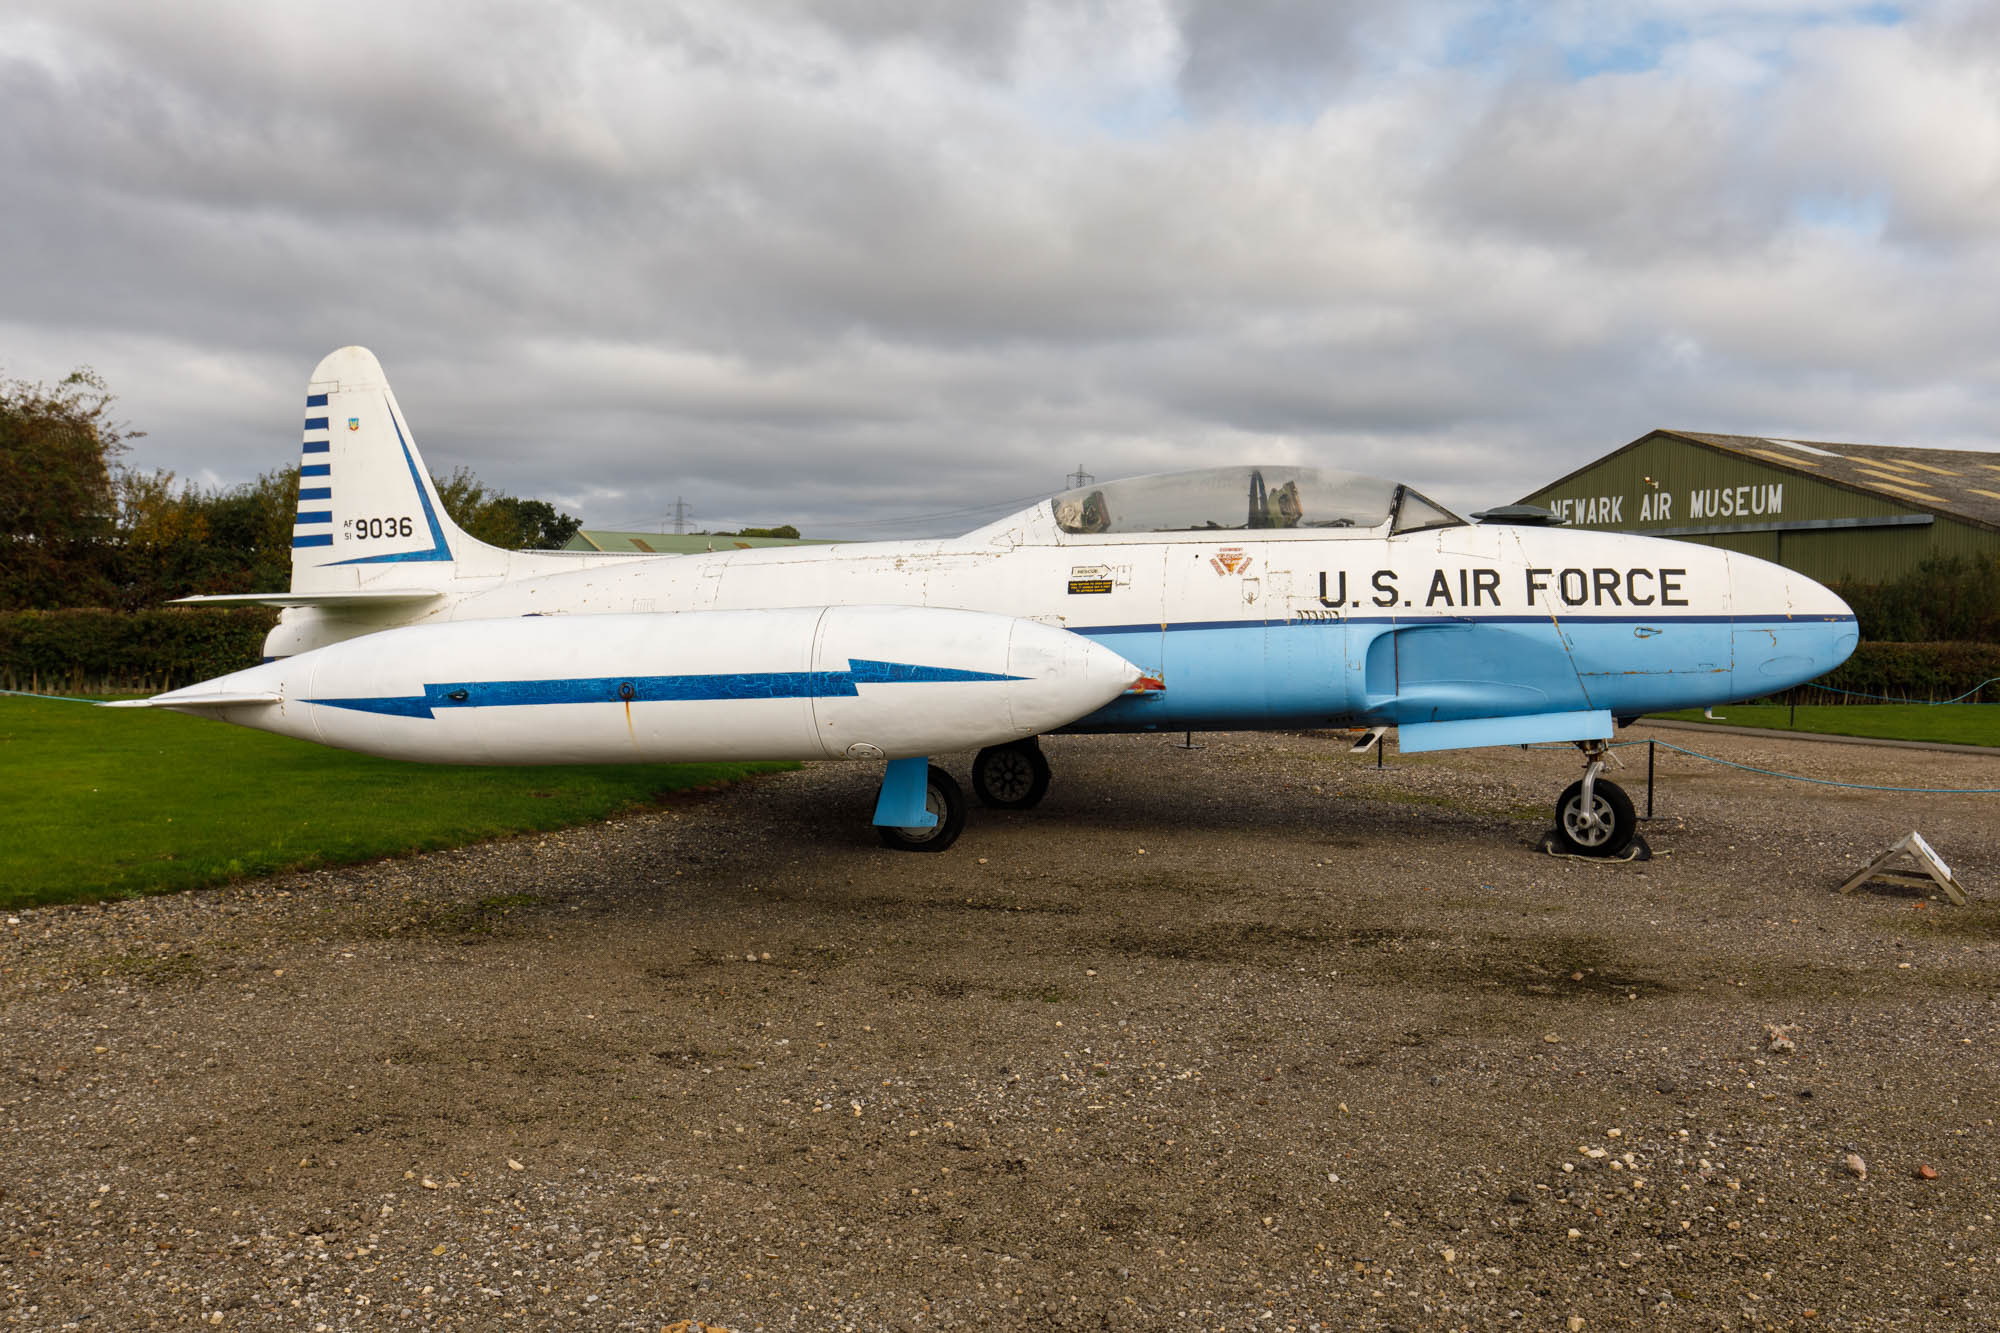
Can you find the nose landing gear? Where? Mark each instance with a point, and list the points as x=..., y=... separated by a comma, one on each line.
x=1594, y=816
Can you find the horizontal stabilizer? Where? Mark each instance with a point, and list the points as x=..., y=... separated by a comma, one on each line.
x=183, y=699
x=386, y=597
x=1523, y=729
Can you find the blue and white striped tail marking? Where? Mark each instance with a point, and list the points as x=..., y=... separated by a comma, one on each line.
x=313, y=525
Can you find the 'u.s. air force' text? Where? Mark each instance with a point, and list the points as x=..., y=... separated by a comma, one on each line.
x=1603, y=586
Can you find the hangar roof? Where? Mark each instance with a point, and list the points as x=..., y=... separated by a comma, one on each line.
x=1956, y=483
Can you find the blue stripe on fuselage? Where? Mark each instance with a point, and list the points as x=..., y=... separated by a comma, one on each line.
x=1222, y=675
x=1154, y=626
x=661, y=689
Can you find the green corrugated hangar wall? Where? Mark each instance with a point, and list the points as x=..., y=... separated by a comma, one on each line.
x=1863, y=512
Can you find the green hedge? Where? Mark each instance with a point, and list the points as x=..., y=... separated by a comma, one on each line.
x=89, y=651
x=1919, y=672
x=1946, y=599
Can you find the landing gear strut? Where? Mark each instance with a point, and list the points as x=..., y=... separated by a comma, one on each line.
x=1594, y=817
x=914, y=818
x=1011, y=777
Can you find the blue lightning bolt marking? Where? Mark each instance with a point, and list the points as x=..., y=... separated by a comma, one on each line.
x=661, y=689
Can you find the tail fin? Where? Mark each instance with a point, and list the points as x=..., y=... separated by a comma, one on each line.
x=367, y=506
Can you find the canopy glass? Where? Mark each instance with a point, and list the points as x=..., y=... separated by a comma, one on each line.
x=1228, y=499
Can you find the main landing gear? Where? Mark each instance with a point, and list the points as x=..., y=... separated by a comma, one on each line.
x=1011, y=777
x=921, y=808
x=1594, y=817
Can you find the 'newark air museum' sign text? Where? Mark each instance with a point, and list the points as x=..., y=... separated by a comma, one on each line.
x=1766, y=500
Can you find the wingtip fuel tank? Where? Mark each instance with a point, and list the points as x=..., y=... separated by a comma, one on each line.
x=800, y=683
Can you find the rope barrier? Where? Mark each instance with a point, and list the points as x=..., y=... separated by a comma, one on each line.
x=1890, y=699
x=59, y=698
x=1822, y=782
x=1789, y=777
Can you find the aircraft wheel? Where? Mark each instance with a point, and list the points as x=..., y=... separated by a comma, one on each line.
x=1011, y=777
x=1612, y=831
x=943, y=799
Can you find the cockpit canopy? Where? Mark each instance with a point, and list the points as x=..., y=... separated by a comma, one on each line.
x=1233, y=499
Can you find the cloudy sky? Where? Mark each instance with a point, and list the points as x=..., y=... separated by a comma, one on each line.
x=885, y=267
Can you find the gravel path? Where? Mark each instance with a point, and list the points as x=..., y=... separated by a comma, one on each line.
x=1248, y=1036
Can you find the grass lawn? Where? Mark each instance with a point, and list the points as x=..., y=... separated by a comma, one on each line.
x=1960, y=724
x=100, y=803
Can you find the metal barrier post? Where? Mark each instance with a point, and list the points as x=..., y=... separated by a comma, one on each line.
x=1650, y=748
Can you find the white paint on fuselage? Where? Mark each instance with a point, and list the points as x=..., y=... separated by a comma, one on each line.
x=1285, y=628
x=1028, y=567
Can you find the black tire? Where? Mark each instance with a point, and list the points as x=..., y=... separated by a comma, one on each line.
x=1602, y=839
x=943, y=799
x=1011, y=777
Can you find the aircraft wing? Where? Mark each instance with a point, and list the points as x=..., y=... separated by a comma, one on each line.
x=183, y=699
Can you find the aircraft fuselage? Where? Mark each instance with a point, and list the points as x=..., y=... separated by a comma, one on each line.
x=1289, y=629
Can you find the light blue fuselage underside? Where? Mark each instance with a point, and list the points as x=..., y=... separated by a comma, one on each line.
x=1252, y=674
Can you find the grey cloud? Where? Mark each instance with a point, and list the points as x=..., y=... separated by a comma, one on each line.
x=811, y=263
x=1903, y=128
x=981, y=36
x=1284, y=58
x=1624, y=168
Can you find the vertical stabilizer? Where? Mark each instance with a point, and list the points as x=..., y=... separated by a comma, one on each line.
x=367, y=507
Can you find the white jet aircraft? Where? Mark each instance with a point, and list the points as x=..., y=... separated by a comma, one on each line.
x=1232, y=598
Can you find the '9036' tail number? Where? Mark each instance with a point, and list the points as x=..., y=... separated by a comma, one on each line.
x=376, y=529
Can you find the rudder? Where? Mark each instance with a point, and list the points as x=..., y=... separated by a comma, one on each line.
x=365, y=498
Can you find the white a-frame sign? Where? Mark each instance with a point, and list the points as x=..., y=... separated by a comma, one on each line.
x=1909, y=858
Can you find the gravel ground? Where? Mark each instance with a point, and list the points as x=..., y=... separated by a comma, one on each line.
x=1252, y=1036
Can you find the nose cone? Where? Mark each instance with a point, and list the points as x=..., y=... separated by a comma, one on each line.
x=1788, y=629
x=1064, y=676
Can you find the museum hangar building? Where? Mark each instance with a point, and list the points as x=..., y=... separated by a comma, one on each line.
x=1864, y=512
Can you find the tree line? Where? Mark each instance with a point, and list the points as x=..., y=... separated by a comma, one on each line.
x=80, y=528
